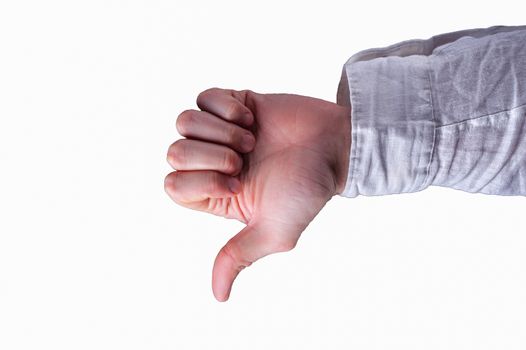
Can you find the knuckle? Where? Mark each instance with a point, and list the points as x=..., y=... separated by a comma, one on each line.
x=173, y=189
x=170, y=186
x=231, y=161
x=232, y=252
x=232, y=135
x=248, y=96
x=203, y=95
x=248, y=93
x=168, y=182
x=184, y=120
x=214, y=183
x=177, y=153
x=234, y=110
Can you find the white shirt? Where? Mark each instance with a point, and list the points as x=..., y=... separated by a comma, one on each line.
x=446, y=111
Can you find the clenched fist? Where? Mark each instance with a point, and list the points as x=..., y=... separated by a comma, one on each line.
x=271, y=161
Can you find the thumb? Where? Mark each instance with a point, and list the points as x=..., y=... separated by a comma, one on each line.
x=250, y=244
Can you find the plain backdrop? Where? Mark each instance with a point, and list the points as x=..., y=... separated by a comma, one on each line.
x=94, y=255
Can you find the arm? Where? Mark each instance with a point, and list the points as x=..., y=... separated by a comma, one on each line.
x=441, y=111
x=446, y=111
x=271, y=161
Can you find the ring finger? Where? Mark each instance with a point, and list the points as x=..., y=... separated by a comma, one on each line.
x=185, y=154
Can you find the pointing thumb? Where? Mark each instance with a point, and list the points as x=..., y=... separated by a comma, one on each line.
x=249, y=245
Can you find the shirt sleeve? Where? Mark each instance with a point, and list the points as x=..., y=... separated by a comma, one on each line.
x=445, y=111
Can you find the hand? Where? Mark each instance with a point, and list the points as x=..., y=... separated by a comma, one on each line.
x=271, y=161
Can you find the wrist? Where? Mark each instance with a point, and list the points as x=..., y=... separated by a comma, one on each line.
x=342, y=146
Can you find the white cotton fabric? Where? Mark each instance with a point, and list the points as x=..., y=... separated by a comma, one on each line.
x=445, y=111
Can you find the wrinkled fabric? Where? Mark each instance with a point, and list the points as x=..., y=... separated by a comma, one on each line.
x=445, y=111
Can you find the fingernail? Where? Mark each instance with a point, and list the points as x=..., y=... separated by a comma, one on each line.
x=234, y=185
x=248, y=142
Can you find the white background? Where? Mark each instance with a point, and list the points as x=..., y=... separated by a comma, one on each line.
x=94, y=255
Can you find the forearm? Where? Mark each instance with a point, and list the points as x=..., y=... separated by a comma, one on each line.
x=446, y=111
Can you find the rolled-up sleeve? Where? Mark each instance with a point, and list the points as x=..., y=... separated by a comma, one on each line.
x=446, y=111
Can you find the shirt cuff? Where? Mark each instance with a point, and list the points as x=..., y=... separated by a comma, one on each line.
x=392, y=122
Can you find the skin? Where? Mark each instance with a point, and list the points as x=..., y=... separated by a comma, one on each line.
x=271, y=161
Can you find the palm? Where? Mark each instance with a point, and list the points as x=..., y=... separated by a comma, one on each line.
x=287, y=178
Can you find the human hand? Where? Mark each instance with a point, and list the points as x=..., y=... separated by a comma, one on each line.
x=271, y=161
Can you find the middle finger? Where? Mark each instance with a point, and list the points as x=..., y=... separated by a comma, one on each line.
x=207, y=127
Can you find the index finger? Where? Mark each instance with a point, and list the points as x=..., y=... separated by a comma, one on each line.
x=227, y=104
